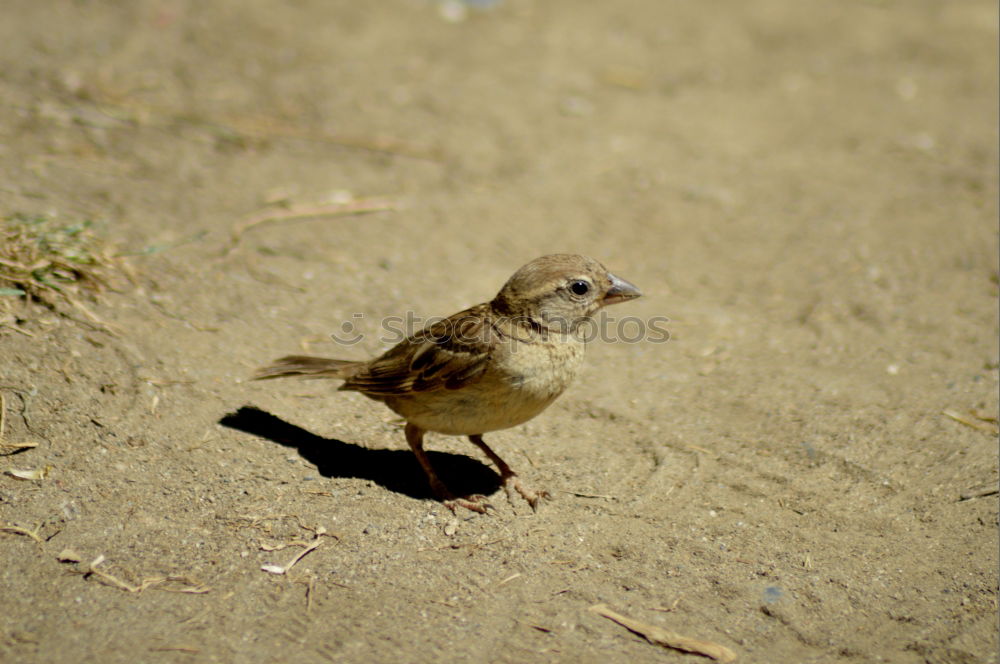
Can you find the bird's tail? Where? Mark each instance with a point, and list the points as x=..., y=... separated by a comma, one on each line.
x=308, y=367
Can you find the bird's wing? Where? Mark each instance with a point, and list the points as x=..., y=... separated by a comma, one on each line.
x=446, y=355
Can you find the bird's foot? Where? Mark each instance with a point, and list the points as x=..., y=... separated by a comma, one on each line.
x=512, y=483
x=474, y=502
x=508, y=477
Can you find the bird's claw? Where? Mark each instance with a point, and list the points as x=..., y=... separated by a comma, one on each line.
x=475, y=503
x=511, y=483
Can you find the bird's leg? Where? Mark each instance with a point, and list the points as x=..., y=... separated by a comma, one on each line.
x=415, y=437
x=509, y=477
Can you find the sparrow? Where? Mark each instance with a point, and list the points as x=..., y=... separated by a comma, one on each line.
x=492, y=366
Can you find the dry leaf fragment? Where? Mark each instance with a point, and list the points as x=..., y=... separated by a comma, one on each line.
x=666, y=638
x=273, y=569
x=29, y=473
x=69, y=556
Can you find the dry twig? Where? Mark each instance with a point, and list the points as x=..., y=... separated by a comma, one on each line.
x=18, y=530
x=296, y=213
x=10, y=448
x=195, y=588
x=308, y=547
x=981, y=491
x=580, y=494
x=5, y=446
x=972, y=420
x=664, y=637
x=460, y=545
x=115, y=582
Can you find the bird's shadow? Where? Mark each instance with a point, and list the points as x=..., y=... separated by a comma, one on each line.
x=396, y=470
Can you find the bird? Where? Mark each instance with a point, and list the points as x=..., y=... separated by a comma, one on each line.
x=489, y=367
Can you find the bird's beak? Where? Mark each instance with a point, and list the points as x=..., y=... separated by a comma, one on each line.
x=620, y=291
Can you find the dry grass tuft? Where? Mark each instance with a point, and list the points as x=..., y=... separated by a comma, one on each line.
x=49, y=261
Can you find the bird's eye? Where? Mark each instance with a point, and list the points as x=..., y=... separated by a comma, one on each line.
x=579, y=287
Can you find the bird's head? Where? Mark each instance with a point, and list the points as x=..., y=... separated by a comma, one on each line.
x=558, y=292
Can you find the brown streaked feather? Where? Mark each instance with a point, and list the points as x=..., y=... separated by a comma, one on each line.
x=446, y=355
x=307, y=366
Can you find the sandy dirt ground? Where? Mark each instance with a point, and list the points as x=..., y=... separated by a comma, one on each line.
x=806, y=190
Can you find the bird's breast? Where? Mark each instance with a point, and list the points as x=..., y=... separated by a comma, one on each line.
x=542, y=370
x=523, y=380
